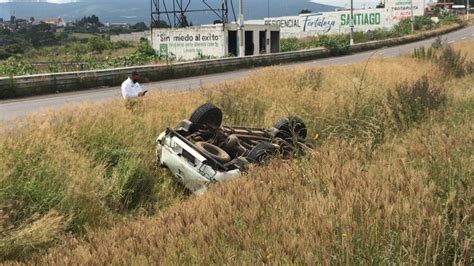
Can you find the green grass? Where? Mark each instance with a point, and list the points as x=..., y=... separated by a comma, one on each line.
x=83, y=36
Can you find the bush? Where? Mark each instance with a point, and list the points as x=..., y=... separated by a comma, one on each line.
x=403, y=27
x=450, y=62
x=291, y=44
x=450, y=18
x=423, y=23
x=338, y=45
x=363, y=123
x=420, y=23
x=410, y=104
x=453, y=63
x=4, y=54
x=14, y=66
x=360, y=37
x=95, y=44
x=122, y=44
x=77, y=48
x=145, y=49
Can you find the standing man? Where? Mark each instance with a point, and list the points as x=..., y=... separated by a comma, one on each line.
x=131, y=88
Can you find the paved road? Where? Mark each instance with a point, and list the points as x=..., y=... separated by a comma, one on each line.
x=11, y=109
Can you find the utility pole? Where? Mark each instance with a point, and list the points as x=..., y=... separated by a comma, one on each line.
x=241, y=29
x=412, y=18
x=468, y=9
x=352, y=23
x=268, y=5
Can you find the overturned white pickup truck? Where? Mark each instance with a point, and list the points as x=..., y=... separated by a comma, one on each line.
x=200, y=151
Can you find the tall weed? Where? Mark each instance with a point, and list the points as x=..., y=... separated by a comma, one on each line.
x=410, y=104
x=453, y=63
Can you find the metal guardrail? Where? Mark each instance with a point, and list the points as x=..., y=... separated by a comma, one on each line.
x=22, y=86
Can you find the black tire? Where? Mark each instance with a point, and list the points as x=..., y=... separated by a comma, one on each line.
x=214, y=152
x=262, y=153
x=291, y=128
x=207, y=114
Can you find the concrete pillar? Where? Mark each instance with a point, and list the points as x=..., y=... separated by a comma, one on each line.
x=240, y=23
x=268, y=45
x=256, y=42
x=226, y=41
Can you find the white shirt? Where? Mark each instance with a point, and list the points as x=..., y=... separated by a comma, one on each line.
x=130, y=89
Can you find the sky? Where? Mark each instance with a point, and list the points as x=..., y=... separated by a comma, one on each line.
x=346, y=3
x=44, y=1
x=357, y=3
x=132, y=11
x=339, y=3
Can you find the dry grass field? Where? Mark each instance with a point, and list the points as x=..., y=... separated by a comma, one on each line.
x=389, y=181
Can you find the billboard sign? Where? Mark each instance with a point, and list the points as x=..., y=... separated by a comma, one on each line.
x=338, y=22
x=401, y=9
x=189, y=43
x=330, y=23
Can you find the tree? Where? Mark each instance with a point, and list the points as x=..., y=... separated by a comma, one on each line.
x=140, y=26
x=183, y=22
x=41, y=35
x=95, y=20
x=88, y=21
x=160, y=24
x=305, y=11
x=14, y=49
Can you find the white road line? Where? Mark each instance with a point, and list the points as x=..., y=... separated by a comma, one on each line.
x=451, y=41
x=463, y=38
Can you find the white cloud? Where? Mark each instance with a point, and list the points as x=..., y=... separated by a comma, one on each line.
x=40, y=1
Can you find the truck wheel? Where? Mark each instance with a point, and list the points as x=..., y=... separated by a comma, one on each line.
x=290, y=128
x=213, y=151
x=207, y=114
x=261, y=153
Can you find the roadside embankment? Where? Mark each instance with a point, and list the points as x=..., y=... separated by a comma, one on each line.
x=389, y=178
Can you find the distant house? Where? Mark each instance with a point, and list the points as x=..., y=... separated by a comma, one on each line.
x=459, y=9
x=119, y=26
x=103, y=29
x=435, y=9
x=57, y=22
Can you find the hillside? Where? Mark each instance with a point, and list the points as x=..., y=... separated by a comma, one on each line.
x=389, y=180
x=132, y=11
